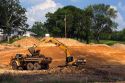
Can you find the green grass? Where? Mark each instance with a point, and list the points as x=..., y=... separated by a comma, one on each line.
x=108, y=42
x=12, y=40
x=8, y=78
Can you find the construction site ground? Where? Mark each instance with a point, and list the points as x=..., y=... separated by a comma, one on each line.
x=104, y=63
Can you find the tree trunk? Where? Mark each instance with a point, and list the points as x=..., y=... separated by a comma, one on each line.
x=97, y=38
x=8, y=39
x=87, y=38
x=87, y=41
x=77, y=37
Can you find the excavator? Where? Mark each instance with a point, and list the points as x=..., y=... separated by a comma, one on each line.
x=69, y=60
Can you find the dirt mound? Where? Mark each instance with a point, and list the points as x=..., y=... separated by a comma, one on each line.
x=30, y=41
x=7, y=47
x=101, y=59
x=70, y=42
x=5, y=55
x=47, y=49
x=66, y=41
x=96, y=54
x=102, y=55
x=27, y=42
x=119, y=46
x=2, y=47
x=100, y=45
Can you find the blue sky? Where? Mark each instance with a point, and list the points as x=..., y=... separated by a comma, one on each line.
x=36, y=9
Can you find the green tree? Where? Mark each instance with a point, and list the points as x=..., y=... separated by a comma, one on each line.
x=39, y=29
x=87, y=23
x=102, y=19
x=56, y=25
x=82, y=24
x=12, y=15
x=118, y=35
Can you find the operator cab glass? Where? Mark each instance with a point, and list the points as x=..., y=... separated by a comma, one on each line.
x=69, y=59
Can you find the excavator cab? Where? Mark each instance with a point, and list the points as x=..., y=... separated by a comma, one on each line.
x=33, y=51
x=69, y=59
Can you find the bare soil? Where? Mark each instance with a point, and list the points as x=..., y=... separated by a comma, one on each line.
x=104, y=63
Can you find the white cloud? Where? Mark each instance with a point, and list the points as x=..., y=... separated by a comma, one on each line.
x=37, y=12
x=119, y=19
x=114, y=7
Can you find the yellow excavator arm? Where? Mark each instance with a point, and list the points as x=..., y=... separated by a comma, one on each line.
x=69, y=58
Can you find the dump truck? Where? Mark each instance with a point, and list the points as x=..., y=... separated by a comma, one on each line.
x=32, y=61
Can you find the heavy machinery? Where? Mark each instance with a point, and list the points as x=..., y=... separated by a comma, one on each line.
x=37, y=61
x=70, y=60
x=33, y=61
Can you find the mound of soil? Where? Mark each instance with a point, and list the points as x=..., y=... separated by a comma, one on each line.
x=70, y=42
x=96, y=54
x=119, y=46
x=27, y=42
x=66, y=41
x=5, y=55
x=101, y=59
x=6, y=47
x=30, y=41
x=2, y=47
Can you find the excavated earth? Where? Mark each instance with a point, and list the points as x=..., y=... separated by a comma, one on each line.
x=103, y=62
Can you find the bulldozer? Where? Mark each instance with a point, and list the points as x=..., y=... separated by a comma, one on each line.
x=69, y=59
x=32, y=61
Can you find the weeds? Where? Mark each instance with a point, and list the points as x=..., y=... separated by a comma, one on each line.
x=42, y=77
x=8, y=78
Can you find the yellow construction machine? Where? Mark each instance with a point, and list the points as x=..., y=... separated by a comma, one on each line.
x=70, y=60
x=32, y=61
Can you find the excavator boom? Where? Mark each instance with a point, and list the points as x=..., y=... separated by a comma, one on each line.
x=69, y=58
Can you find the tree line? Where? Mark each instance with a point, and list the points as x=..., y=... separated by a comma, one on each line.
x=94, y=22
x=83, y=24
x=115, y=35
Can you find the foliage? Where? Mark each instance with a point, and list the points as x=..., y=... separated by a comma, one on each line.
x=85, y=24
x=118, y=35
x=109, y=42
x=56, y=21
x=13, y=39
x=102, y=19
x=12, y=15
x=39, y=29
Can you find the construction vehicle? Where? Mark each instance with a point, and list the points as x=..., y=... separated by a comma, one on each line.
x=69, y=60
x=32, y=61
